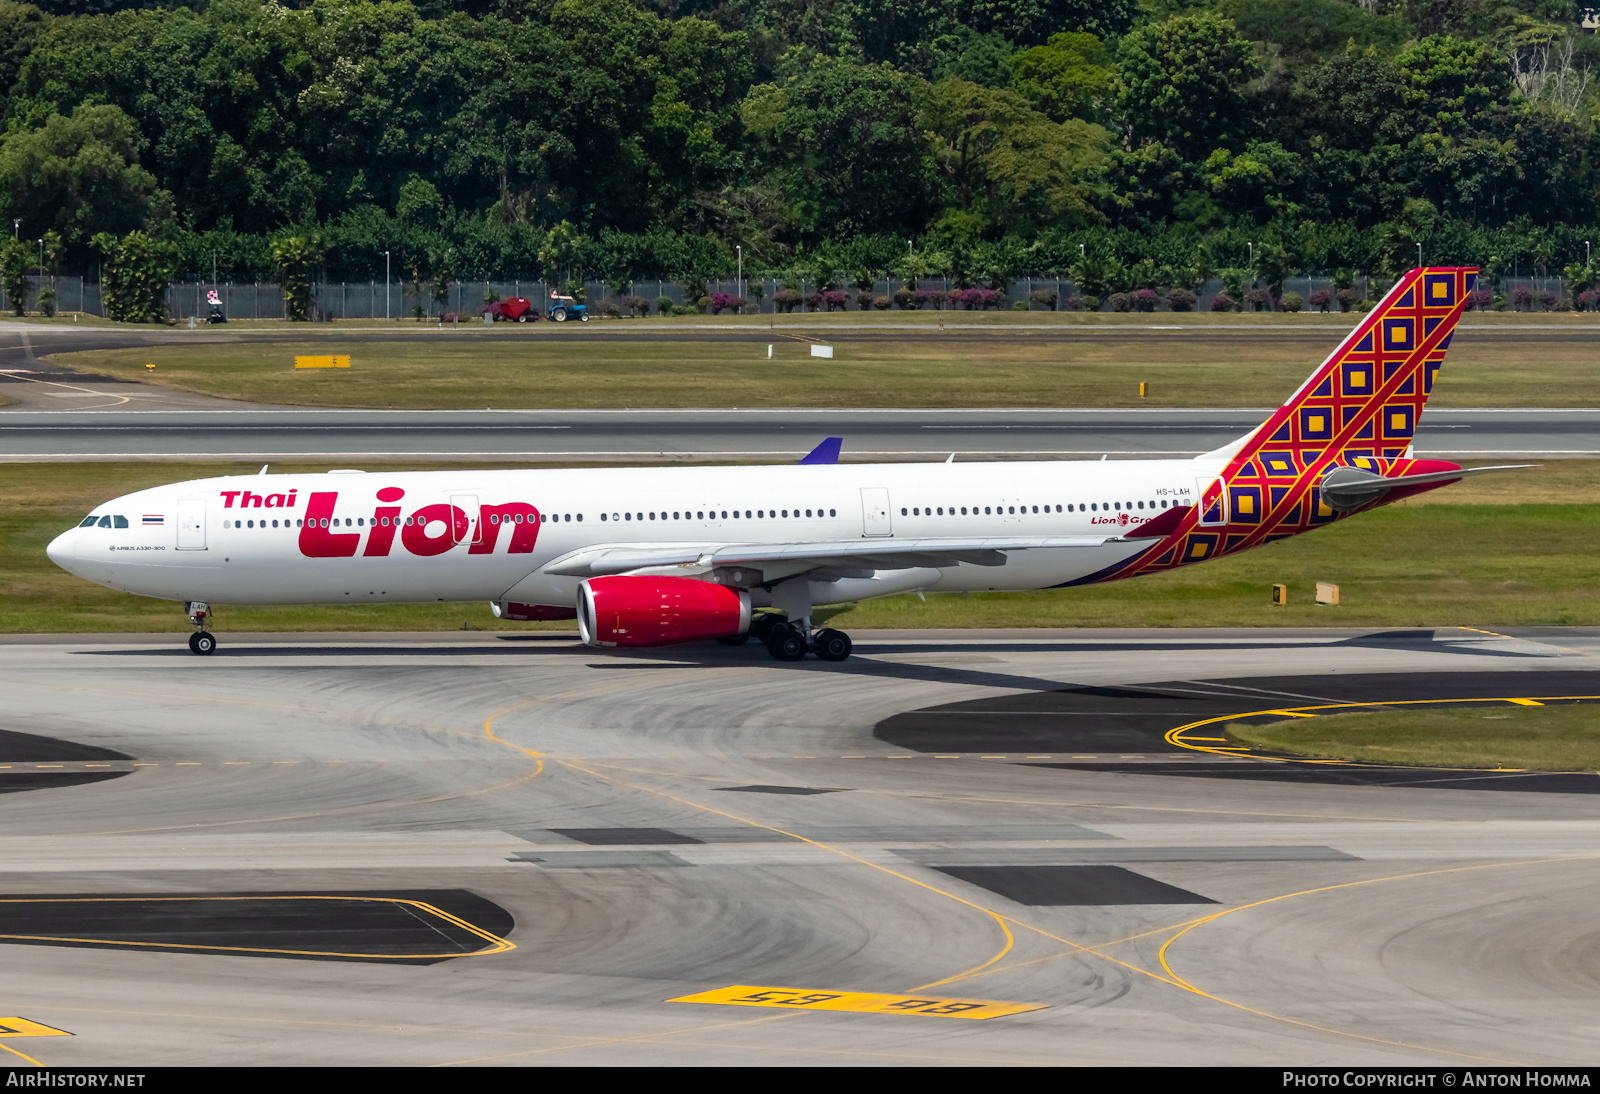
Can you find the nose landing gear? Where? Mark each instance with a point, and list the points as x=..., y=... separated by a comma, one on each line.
x=201, y=641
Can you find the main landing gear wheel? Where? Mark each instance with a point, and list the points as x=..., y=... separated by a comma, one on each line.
x=203, y=642
x=786, y=644
x=761, y=626
x=831, y=645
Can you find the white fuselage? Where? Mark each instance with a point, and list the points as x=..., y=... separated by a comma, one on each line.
x=245, y=540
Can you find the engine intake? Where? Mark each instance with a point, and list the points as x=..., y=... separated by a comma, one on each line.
x=658, y=611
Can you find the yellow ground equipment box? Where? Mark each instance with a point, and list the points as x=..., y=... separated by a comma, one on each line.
x=323, y=362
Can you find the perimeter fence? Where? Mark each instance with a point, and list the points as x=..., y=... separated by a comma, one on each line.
x=466, y=300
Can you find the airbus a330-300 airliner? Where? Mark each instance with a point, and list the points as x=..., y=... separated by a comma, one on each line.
x=655, y=556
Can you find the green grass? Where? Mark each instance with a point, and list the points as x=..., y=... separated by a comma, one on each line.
x=923, y=370
x=1421, y=566
x=1483, y=735
x=1475, y=560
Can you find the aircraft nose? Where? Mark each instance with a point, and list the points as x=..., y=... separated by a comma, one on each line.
x=61, y=550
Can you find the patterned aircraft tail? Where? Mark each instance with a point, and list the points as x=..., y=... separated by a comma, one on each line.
x=1364, y=402
x=1347, y=426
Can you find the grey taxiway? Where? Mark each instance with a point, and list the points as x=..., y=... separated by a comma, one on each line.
x=971, y=816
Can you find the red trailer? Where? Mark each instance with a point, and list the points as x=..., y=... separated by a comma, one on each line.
x=518, y=309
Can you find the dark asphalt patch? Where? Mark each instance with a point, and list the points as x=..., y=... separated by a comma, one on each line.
x=29, y=748
x=1137, y=719
x=784, y=789
x=417, y=927
x=1086, y=719
x=1432, y=778
x=1118, y=855
x=13, y=782
x=630, y=859
x=1078, y=886
x=601, y=837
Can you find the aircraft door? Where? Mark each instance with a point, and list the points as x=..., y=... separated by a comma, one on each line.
x=192, y=525
x=469, y=532
x=1213, y=502
x=875, y=516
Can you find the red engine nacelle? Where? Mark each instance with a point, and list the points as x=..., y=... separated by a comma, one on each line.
x=658, y=611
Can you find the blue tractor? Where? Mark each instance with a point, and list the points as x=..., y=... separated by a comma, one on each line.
x=563, y=308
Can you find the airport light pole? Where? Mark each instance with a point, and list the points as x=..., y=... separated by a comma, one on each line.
x=738, y=284
x=1419, y=253
x=386, y=285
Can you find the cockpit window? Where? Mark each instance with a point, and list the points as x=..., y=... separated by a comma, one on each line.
x=89, y=521
x=105, y=522
x=92, y=521
x=120, y=522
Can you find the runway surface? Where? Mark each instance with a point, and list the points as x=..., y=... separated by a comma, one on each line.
x=652, y=435
x=61, y=415
x=461, y=848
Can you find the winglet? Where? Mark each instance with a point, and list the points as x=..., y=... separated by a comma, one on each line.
x=826, y=452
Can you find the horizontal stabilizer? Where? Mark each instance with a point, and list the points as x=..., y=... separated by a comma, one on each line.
x=1351, y=487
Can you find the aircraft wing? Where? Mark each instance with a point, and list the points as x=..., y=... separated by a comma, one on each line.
x=853, y=554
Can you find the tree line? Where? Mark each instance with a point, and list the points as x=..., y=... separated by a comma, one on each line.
x=1128, y=145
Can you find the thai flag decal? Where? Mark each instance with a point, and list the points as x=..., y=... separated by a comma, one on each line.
x=154, y=518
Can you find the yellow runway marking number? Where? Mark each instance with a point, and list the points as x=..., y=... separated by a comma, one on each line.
x=860, y=1002
x=21, y=1027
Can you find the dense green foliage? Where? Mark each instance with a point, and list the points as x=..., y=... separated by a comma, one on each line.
x=1157, y=139
x=137, y=269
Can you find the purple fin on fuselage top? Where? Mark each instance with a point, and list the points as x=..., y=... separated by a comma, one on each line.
x=826, y=452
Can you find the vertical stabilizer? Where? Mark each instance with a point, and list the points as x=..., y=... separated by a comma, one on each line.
x=1367, y=397
x=1359, y=410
